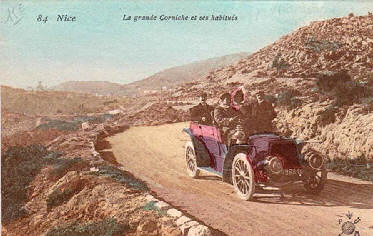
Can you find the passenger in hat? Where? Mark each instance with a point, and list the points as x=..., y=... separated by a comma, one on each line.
x=225, y=116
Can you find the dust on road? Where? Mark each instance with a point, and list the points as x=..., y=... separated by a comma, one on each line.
x=156, y=155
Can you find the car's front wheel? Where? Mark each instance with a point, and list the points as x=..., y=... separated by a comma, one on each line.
x=191, y=161
x=243, y=177
x=315, y=180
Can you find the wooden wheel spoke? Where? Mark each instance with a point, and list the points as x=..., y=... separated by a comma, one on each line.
x=242, y=166
x=247, y=182
x=245, y=187
x=239, y=184
x=243, y=183
x=246, y=170
x=237, y=167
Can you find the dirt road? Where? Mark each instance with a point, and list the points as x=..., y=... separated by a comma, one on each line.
x=156, y=155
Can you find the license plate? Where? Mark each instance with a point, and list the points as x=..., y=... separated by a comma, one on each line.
x=293, y=171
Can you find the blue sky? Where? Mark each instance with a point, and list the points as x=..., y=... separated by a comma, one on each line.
x=100, y=46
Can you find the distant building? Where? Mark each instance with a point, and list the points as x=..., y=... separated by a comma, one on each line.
x=149, y=91
x=40, y=86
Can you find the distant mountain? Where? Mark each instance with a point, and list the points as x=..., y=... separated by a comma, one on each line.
x=92, y=87
x=169, y=78
x=172, y=77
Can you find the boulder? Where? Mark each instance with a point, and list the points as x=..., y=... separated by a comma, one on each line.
x=174, y=213
x=199, y=230
x=182, y=220
x=185, y=227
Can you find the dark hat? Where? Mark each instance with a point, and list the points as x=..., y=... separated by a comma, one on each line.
x=203, y=95
x=259, y=92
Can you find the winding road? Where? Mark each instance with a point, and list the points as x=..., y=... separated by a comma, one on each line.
x=156, y=155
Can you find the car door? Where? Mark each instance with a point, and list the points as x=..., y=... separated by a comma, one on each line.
x=212, y=140
x=204, y=157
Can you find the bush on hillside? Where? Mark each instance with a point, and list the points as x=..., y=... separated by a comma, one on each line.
x=288, y=98
x=107, y=227
x=344, y=90
x=121, y=176
x=352, y=167
x=18, y=168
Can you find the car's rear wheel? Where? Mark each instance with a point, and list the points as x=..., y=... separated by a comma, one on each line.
x=243, y=177
x=191, y=161
x=315, y=180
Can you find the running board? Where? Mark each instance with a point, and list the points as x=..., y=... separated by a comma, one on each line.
x=210, y=170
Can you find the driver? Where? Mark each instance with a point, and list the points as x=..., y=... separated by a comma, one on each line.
x=224, y=116
x=202, y=112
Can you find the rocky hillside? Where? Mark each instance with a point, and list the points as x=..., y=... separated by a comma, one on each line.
x=61, y=178
x=62, y=186
x=331, y=45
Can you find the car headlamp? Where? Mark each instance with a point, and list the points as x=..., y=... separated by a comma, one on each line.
x=275, y=165
x=315, y=161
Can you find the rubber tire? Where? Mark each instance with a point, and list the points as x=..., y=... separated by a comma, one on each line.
x=320, y=186
x=241, y=157
x=195, y=172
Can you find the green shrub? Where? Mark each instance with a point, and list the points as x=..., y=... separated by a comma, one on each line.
x=320, y=45
x=150, y=206
x=107, y=227
x=368, y=104
x=18, y=168
x=328, y=116
x=327, y=81
x=279, y=63
x=352, y=167
x=62, y=165
x=58, y=197
x=93, y=119
x=61, y=125
x=288, y=98
x=121, y=176
x=344, y=90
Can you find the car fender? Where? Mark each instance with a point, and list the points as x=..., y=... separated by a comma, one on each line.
x=200, y=149
x=228, y=160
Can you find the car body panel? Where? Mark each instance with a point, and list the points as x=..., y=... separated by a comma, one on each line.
x=274, y=145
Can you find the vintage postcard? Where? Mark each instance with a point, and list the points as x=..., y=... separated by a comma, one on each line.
x=186, y=117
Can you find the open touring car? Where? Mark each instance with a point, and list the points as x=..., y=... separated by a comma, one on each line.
x=267, y=158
